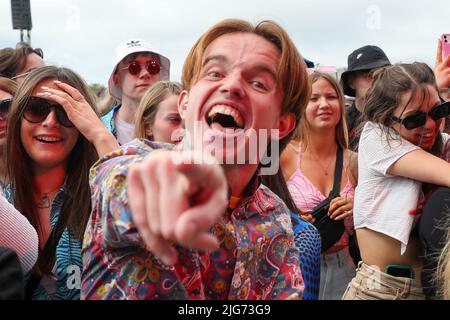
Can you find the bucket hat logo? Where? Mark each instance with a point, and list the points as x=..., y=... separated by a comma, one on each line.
x=134, y=44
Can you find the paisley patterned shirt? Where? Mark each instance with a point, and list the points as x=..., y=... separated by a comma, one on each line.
x=257, y=258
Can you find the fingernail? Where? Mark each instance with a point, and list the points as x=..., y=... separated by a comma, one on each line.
x=45, y=88
x=57, y=81
x=190, y=231
x=166, y=259
x=44, y=94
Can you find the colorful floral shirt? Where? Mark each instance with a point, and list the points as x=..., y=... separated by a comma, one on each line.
x=257, y=258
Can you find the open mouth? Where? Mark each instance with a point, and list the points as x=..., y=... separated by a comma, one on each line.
x=48, y=139
x=225, y=117
x=428, y=135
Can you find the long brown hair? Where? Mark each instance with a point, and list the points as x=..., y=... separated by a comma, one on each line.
x=341, y=127
x=389, y=86
x=291, y=70
x=76, y=202
x=12, y=60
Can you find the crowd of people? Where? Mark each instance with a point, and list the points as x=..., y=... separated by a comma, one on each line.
x=162, y=190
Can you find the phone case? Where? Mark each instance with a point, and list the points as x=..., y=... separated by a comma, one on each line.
x=445, y=40
x=400, y=271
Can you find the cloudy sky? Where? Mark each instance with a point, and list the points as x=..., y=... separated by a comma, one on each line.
x=83, y=34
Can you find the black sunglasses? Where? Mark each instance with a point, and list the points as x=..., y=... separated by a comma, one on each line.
x=37, y=110
x=419, y=118
x=135, y=68
x=4, y=108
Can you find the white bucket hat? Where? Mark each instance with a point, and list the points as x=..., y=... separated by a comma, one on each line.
x=133, y=46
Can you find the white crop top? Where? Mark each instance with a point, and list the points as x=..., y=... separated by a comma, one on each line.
x=383, y=202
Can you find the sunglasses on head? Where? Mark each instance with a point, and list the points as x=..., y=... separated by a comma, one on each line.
x=152, y=66
x=4, y=108
x=419, y=118
x=37, y=110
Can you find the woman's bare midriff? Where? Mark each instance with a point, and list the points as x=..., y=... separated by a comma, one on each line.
x=380, y=250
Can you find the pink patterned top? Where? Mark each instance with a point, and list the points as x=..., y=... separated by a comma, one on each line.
x=306, y=195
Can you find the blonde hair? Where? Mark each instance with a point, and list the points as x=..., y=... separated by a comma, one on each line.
x=148, y=107
x=442, y=276
x=444, y=272
x=291, y=69
x=341, y=127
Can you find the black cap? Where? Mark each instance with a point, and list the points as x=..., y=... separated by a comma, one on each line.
x=364, y=58
x=309, y=63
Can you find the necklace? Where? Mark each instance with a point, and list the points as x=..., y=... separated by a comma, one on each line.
x=43, y=199
x=325, y=169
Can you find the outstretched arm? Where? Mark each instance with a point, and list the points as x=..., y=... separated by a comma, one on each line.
x=175, y=197
x=422, y=166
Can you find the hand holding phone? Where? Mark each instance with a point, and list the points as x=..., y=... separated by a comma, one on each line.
x=442, y=66
x=445, y=44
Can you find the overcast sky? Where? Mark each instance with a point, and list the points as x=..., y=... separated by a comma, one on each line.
x=83, y=34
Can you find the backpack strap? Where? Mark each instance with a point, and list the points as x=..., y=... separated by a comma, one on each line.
x=337, y=173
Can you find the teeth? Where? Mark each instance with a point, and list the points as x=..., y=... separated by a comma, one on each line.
x=49, y=139
x=227, y=110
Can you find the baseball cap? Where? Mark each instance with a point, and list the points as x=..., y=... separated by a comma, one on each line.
x=364, y=58
x=134, y=46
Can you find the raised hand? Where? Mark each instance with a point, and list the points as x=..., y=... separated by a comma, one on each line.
x=442, y=69
x=82, y=115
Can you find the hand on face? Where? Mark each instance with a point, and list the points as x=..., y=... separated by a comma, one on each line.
x=176, y=201
x=81, y=114
x=340, y=208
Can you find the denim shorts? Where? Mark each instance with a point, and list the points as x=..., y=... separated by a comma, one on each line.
x=336, y=271
x=372, y=284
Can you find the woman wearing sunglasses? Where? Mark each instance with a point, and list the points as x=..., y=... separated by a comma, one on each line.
x=48, y=166
x=400, y=147
x=8, y=88
x=16, y=232
x=157, y=117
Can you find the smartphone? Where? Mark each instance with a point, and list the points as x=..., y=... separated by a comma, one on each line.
x=445, y=40
x=399, y=270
